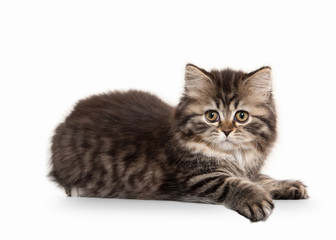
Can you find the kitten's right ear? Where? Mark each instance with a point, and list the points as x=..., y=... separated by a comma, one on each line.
x=196, y=80
x=259, y=83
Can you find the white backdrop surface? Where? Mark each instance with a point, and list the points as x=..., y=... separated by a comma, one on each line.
x=52, y=53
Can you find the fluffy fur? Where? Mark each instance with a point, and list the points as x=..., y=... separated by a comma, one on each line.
x=134, y=145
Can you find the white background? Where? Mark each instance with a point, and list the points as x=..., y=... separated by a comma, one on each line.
x=53, y=53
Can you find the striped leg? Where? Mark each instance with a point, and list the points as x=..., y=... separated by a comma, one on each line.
x=237, y=193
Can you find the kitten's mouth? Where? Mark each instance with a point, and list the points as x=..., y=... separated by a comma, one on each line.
x=226, y=140
x=227, y=143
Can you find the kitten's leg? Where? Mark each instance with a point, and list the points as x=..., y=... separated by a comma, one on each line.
x=285, y=189
x=73, y=192
x=68, y=191
x=240, y=194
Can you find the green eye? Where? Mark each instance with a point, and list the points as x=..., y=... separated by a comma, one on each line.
x=212, y=116
x=241, y=116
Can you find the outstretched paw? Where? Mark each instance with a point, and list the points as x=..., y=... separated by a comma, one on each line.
x=256, y=205
x=291, y=190
x=257, y=211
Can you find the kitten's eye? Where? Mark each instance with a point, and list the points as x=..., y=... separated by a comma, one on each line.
x=212, y=116
x=241, y=116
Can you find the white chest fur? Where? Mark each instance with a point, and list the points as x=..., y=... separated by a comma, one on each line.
x=246, y=158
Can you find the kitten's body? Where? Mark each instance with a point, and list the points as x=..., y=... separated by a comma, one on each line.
x=133, y=145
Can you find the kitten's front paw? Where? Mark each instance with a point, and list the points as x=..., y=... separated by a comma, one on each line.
x=256, y=206
x=291, y=190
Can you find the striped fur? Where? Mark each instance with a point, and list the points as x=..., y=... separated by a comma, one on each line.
x=134, y=145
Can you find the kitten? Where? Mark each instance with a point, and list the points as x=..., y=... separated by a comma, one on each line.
x=210, y=148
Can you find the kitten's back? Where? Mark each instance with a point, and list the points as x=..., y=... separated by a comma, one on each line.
x=132, y=112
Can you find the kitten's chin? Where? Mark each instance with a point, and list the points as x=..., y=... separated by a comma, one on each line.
x=226, y=145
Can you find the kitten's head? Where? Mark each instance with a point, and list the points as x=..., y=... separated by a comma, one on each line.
x=227, y=110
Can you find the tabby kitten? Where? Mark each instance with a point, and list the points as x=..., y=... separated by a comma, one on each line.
x=210, y=148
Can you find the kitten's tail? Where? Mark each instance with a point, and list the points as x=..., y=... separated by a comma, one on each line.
x=53, y=176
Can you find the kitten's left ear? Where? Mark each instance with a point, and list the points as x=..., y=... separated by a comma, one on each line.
x=259, y=82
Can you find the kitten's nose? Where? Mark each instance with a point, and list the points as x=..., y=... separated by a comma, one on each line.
x=227, y=132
